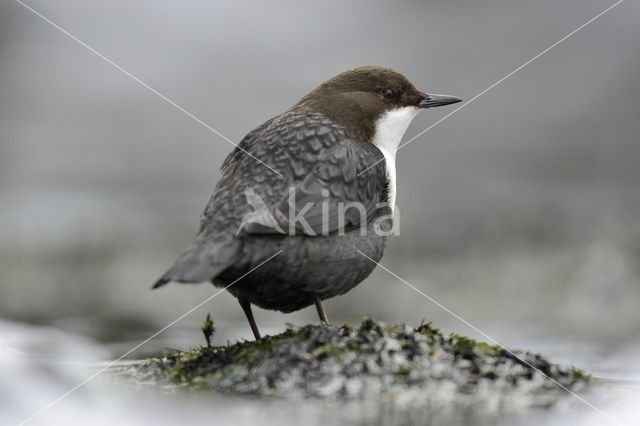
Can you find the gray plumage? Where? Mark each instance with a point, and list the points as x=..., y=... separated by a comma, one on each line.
x=314, y=154
x=334, y=148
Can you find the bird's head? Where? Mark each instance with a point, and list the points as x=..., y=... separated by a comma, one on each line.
x=364, y=97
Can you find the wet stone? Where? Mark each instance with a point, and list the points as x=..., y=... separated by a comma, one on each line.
x=372, y=361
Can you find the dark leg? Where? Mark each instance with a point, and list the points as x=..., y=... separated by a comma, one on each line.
x=246, y=307
x=321, y=313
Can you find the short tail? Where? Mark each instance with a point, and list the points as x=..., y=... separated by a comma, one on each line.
x=201, y=262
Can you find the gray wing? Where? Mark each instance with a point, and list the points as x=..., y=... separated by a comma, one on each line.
x=311, y=153
x=302, y=146
x=344, y=190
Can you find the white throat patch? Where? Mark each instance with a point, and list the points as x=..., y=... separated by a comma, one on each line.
x=390, y=128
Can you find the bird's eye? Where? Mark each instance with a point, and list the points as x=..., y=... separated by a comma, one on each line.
x=387, y=94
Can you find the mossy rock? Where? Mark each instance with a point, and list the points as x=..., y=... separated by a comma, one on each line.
x=375, y=360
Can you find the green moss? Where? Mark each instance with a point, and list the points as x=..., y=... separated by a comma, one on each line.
x=375, y=358
x=427, y=330
x=580, y=374
x=466, y=345
x=208, y=329
x=327, y=350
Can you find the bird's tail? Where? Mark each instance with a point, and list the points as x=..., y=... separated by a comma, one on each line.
x=202, y=262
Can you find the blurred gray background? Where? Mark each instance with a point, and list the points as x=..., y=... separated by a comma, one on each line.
x=521, y=212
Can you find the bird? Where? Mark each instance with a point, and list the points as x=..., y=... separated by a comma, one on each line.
x=305, y=203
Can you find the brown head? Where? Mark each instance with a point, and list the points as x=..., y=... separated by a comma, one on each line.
x=358, y=98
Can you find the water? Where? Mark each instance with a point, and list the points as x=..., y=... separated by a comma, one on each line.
x=41, y=364
x=520, y=213
x=576, y=305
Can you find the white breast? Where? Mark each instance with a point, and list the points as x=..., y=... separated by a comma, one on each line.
x=390, y=128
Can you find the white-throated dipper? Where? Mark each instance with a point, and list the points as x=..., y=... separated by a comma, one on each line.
x=335, y=152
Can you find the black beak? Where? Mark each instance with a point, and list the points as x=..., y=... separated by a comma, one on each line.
x=431, y=101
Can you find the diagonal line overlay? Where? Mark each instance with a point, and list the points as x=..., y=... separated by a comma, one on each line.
x=502, y=79
x=494, y=341
x=163, y=329
x=143, y=84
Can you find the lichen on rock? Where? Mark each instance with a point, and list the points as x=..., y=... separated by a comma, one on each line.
x=374, y=360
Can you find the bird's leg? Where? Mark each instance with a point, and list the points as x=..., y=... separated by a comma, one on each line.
x=321, y=313
x=246, y=307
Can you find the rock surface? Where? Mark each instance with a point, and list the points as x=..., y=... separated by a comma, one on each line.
x=376, y=360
